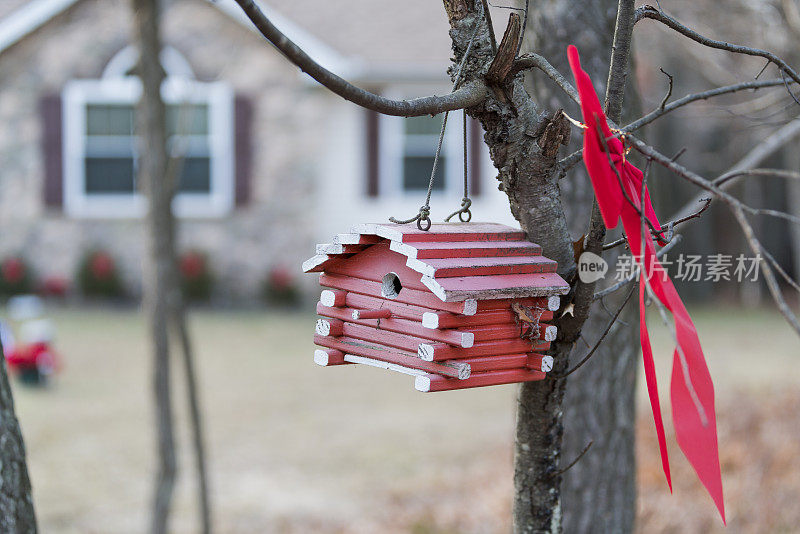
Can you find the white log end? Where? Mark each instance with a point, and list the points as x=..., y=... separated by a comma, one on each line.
x=425, y=352
x=468, y=339
x=430, y=320
x=356, y=315
x=327, y=298
x=470, y=307
x=547, y=364
x=464, y=372
x=321, y=357
x=550, y=333
x=422, y=383
x=553, y=302
x=323, y=327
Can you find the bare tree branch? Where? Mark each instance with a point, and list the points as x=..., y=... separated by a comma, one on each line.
x=650, y=12
x=694, y=97
x=738, y=209
x=622, y=283
x=531, y=61
x=757, y=154
x=471, y=94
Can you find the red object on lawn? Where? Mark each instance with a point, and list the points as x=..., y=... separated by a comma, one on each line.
x=456, y=307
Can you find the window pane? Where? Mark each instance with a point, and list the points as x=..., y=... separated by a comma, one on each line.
x=109, y=176
x=187, y=119
x=114, y=119
x=423, y=125
x=195, y=175
x=417, y=173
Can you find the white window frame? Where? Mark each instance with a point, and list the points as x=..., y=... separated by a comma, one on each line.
x=392, y=151
x=126, y=90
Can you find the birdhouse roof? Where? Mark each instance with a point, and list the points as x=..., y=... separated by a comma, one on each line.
x=456, y=261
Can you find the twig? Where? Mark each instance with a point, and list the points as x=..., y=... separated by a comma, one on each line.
x=669, y=89
x=488, y=17
x=670, y=225
x=649, y=12
x=524, y=26
x=757, y=154
x=599, y=341
x=471, y=94
x=694, y=97
x=575, y=461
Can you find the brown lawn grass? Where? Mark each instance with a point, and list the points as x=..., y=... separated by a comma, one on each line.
x=297, y=448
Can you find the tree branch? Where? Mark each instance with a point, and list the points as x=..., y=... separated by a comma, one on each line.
x=650, y=12
x=738, y=209
x=531, y=61
x=757, y=154
x=471, y=94
x=694, y=97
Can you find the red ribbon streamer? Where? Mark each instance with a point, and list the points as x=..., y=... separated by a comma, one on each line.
x=691, y=391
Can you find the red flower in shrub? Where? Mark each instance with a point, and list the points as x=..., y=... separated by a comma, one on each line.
x=101, y=265
x=281, y=278
x=55, y=286
x=192, y=265
x=13, y=270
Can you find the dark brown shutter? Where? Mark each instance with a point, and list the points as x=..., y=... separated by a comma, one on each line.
x=243, y=140
x=475, y=157
x=53, y=187
x=372, y=145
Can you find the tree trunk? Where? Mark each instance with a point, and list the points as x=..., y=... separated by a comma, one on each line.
x=599, y=492
x=159, y=288
x=16, y=503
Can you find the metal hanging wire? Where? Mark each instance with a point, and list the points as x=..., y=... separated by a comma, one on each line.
x=423, y=218
x=464, y=214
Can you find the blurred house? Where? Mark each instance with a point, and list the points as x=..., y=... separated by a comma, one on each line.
x=270, y=163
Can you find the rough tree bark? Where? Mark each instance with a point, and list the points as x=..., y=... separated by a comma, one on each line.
x=163, y=299
x=523, y=141
x=16, y=503
x=599, y=492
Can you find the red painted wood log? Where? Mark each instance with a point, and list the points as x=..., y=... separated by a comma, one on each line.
x=491, y=378
x=382, y=336
x=475, y=232
x=548, y=303
x=402, y=326
x=435, y=352
x=333, y=298
x=451, y=320
x=384, y=313
x=329, y=327
x=538, y=362
x=328, y=357
x=398, y=309
x=469, y=250
x=460, y=267
x=407, y=295
x=389, y=354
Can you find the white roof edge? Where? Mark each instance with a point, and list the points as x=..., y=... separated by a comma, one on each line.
x=321, y=52
x=29, y=17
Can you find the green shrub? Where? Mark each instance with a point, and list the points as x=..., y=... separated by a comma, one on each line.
x=16, y=277
x=98, y=276
x=195, y=275
x=280, y=288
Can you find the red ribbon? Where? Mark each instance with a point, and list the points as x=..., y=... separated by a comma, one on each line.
x=691, y=391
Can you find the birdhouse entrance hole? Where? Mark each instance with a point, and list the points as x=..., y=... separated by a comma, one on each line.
x=391, y=286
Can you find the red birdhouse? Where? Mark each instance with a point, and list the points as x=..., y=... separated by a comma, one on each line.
x=462, y=305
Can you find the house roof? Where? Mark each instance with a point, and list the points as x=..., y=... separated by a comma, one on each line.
x=358, y=39
x=456, y=261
